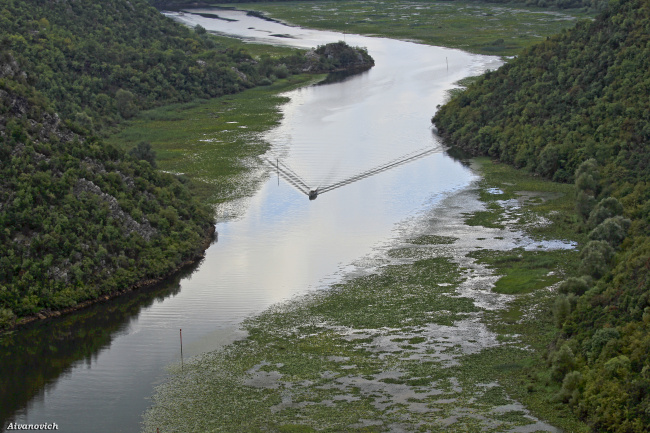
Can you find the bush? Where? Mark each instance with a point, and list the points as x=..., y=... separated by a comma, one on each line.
x=143, y=151
x=595, y=258
x=281, y=71
x=612, y=230
x=599, y=340
x=562, y=362
x=606, y=208
x=7, y=317
x=618, y=367
x=571, y=387
x=561, y=310
x=575, y=285
x=584, y=204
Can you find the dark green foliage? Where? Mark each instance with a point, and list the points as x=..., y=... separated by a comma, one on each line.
x=340, y=56
x=562, y=362
x=595, y=258
x=571, y=385
x=144, y=151
x=78, y=218
x=108, y=60
x=606, y=208
x=561, y=310
x=576, y=108
x=612, y=230
x=575, y=286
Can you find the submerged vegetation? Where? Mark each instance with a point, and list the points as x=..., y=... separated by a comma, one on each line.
x=424, y=344
x=575, y=109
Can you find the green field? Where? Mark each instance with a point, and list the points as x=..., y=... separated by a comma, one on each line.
x=215, y=142
x=480, y=28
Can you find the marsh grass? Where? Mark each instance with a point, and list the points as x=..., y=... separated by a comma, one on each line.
x=476, y=27
x=399, y=349
x=214, y=142
x=526, y=271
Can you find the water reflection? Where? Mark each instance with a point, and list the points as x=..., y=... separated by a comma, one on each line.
x=34, y=356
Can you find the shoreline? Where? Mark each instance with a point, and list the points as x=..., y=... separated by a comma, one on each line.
x=44, y=315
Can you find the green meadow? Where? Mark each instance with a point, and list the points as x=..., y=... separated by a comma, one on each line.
x=480, y=28
x=214, y=142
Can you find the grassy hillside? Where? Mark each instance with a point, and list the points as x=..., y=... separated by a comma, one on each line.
x=575, y=109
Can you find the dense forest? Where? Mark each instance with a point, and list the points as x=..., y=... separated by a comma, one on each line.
x=80, y=219
x=575, y=108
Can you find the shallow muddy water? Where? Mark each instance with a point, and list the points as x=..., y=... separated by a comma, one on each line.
x=95, y=371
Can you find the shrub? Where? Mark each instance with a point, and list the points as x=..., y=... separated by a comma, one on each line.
x=606, y=208
x=561, y=310
x=6, y=317
x=575, y=285
x=612, y=230
x=595, y=258
x=562, y=362
x=571, y=387
x=144, y=151
x=596, y=343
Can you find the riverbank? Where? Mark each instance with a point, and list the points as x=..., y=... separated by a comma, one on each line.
x=197, y=256
x=446, y=330
x=215, y=142
x=228, y=173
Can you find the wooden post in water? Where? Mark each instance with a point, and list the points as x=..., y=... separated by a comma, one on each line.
x=181, y=334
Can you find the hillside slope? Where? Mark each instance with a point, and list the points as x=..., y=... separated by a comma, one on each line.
x=576, y=109
x=80, y=219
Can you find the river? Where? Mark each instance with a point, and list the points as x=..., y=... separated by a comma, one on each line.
x=95, y=370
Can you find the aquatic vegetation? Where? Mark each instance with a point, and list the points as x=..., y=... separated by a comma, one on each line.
x=215, y=142
x=477, y=27
x=423, y=343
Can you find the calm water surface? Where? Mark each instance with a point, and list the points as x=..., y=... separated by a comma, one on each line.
x=95, y=371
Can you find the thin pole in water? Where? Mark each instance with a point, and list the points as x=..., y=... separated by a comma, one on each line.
x=181, y=334
x=277, y=167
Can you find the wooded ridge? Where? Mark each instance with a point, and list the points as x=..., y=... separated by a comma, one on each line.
x=575, y=108
x=80, y=219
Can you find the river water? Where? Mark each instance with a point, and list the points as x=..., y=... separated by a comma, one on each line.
x=96, y=370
